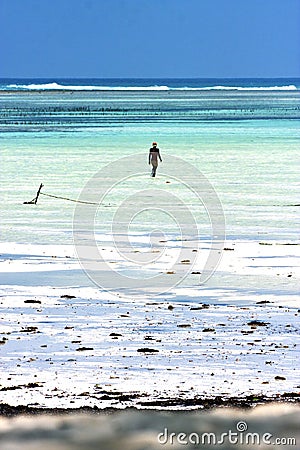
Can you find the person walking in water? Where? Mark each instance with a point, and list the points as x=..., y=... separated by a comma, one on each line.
x=153, y=155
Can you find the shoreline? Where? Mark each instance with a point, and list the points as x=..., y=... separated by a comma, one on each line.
x=79, y=346
x=184, y=405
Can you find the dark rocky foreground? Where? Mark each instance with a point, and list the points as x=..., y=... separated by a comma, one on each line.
x=268, y=425
x=171, y=404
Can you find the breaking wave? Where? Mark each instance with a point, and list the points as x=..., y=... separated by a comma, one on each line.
x=240, y=88
x=61, y=87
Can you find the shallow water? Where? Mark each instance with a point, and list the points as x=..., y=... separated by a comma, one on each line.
x=245, y=142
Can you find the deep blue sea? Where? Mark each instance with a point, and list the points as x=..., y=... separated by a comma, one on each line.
x=242, y=134
x=151, y=84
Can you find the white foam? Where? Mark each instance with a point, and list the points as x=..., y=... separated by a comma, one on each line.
x=56, y=86
x=240, y=88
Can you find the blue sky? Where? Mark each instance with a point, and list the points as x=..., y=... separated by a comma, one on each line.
x=149, y=38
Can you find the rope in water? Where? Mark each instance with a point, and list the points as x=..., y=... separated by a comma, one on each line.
x=69, y=199
x=35, y=199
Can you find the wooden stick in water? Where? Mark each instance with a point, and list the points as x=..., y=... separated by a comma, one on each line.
x=34, y=200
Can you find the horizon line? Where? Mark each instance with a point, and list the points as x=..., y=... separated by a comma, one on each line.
x=145, y=78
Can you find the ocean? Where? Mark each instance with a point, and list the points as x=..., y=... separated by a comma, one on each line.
x=121, y=289
x=243, y=135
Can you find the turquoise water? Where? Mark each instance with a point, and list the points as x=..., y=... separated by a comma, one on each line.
x=245, y=141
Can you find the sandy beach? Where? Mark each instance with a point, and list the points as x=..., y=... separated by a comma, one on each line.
x=68, y=346
x=264, y=427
